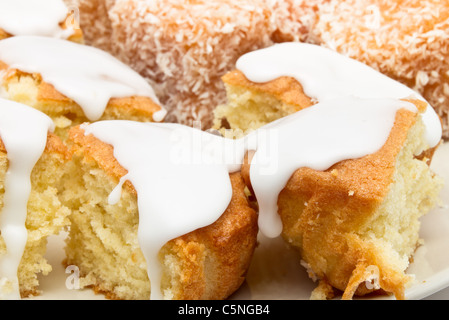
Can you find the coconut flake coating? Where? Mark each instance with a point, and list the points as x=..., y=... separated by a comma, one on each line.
x=406, y=40
x=184, y=47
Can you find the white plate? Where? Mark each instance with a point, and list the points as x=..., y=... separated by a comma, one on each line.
x=276, y=272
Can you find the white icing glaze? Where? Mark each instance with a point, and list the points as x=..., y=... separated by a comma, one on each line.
x=87, y=75
x=180, y=177
x=317, y=138
x=181, y=174
x=31, y=17
x=326, y=74
x=352, y=119
x=23, y=131
x=168, y=162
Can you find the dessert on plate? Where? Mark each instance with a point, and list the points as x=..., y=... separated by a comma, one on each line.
x=319, y=148
x=31, y=162
x=150, y=219
x=344, y=178
x=355, y=221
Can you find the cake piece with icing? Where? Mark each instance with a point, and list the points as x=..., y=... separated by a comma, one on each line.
x=73, y=83
x=31, y=163
x=156, y=212
x=48, y=18
x=146, y=186
x=355, y=221
x=282, y=79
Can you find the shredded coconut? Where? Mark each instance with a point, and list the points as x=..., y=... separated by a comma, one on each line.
x=407, y=40
x=187, y=48
x=184, y=47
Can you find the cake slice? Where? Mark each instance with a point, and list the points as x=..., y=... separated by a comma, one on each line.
x=30, y=208
x=51, y=18
x=73, y=83
x=369, y=32
x=104, y=240
x=251, y=105
x=355, y=222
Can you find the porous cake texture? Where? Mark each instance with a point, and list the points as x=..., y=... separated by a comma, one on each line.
x=208, y=263
x=356, y=224
x=30, y=89
x=252, y=105
x=46, y=214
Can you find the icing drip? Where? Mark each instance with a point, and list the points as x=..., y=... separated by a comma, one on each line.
x=317, y=138
x=168, y=161
x=326, y=75
x=23, y=131
x=353, y=118
x=31, y=17
x=87, y=75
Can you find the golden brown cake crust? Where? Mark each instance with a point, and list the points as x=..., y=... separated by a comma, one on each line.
x=321, y=209
x=129, y=107
x=286, y=89
x=228, y=243
x=54, y=145
x=3, y=34
x=99, y=152
x=368, y=177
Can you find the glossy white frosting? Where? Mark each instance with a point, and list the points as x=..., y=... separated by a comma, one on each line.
x=337, y=82
x=31, y=17
x=317, y=137
x=181, y=174
x=180, y=177
x=326, y=75
x=88, y=76
x=23, y=131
